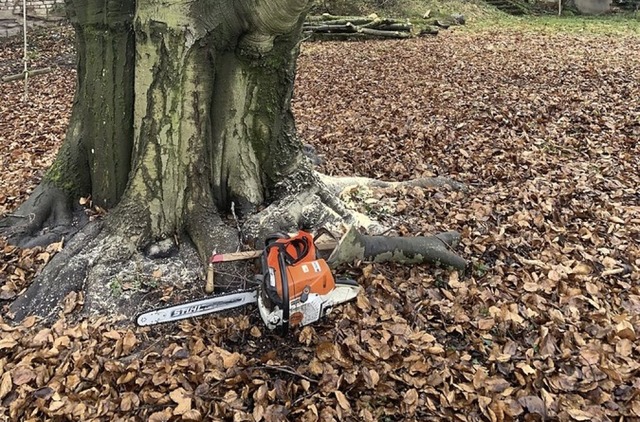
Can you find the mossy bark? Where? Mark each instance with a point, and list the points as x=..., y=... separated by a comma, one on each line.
x=212, y=119
x=181, y=108
x=182, y=112
x=96, y=155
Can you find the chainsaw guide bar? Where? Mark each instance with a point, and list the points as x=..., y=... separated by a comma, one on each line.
x=198, y=308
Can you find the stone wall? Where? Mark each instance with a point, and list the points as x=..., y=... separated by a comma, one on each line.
x=34, y=7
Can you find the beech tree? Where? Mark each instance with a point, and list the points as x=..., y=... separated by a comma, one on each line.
x=182, y=114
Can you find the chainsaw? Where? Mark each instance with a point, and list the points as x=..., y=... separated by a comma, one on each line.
x=296, y=288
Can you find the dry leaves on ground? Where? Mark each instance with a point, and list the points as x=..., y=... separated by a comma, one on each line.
x=543, y=128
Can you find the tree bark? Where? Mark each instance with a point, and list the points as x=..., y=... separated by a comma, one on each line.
x=404, y=250
x=182, y=113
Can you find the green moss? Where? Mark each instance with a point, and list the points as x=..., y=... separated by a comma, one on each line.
x=57, y=175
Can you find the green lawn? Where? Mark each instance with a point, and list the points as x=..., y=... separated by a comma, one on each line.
x=611, y=24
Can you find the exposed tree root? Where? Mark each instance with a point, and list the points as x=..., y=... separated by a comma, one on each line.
x=404, y=250
x=208, y=232
x=313, y=207
x=65, y=273
x=319, y=205
x=110, y=272
x=46, y=217
x=105, y=256
x=338, y=184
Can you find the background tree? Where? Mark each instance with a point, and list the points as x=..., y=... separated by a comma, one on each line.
x=182, y=113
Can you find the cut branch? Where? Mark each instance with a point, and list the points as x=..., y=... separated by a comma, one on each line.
x=381, y=33
x=404, y=250
x=22, y=75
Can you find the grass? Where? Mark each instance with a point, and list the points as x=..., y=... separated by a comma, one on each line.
x=471, y=9
x=481, y=16
x=622, y=24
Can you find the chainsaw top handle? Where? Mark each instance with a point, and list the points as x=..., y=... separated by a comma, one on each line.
x=300, y=246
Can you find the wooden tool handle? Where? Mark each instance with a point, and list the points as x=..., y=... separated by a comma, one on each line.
x=209, y=285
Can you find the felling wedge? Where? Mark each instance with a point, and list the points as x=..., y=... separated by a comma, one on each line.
x=297, y=288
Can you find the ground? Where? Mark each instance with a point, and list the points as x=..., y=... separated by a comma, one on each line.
x=543, y=128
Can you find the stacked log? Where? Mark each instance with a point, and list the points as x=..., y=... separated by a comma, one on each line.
x=328, y=27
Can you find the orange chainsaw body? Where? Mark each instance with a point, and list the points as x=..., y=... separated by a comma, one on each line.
x=305, y=273
x=309, y=277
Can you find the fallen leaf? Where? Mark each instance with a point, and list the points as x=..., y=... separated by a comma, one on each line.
x=533, y=404
x=5, y=385
x=182, y=399
x=23, y=375
x=129, y=342
x=342, y=400
x=7, y=343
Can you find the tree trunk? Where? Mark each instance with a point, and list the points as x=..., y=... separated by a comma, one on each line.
x=182, y=113
x=96, y=155
x=181, y=108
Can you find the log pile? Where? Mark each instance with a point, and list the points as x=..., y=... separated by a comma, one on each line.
x=329, y=27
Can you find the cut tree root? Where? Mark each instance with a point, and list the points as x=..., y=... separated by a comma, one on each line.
x=46, y=217
x=404, y=250
x=337, y=184
x=321, y=206
x=314, y=207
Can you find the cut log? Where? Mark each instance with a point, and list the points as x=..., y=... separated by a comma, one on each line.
x=331, y=36
x=327, y=17
x=405, y=27
x=384, y=34
x=357, y=27
x=346, y=28
x=329, y=27
x=356, y=21
x=404, y=250
x=441, y=24
x=429, y=30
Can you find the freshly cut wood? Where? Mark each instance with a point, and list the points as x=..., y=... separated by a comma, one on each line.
x=322, y=245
